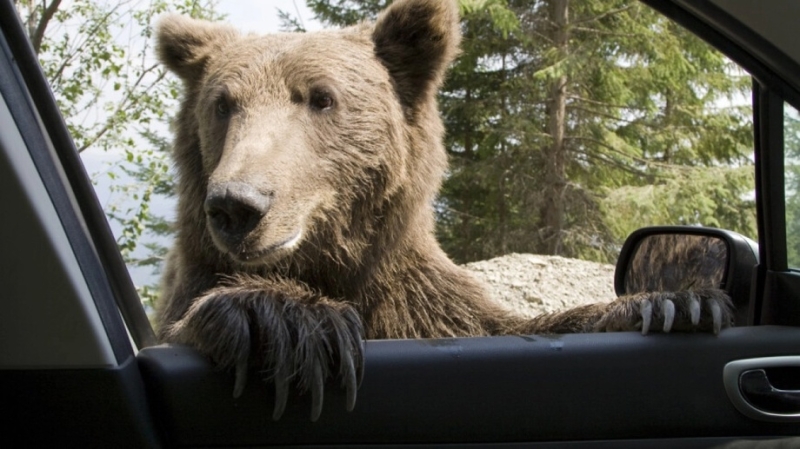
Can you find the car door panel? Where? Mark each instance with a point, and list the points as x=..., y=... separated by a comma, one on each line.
x=74, y=407
x=500, y=389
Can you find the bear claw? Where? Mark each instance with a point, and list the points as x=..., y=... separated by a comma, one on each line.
x=351, y=384
x=646, y=310
x=241, y=377
x=281, y=397
x=317, y=393
x=694, y=309
x=704, y=310
x=669, y=314
x=716, y=313
x=676, y=307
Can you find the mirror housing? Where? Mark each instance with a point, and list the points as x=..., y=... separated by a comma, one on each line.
x=673, y=258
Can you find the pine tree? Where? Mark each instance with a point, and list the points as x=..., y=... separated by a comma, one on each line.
x=572, y=123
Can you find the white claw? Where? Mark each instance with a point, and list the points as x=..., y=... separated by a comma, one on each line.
x=716, y=314
x=241, y=377
x=669, y=314
x=646, y=310
x=316, y=393
x=694, y=309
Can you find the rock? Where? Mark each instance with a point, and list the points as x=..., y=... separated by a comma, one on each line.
x=533, y=284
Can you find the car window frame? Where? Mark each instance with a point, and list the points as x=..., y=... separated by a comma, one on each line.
x=73, y=194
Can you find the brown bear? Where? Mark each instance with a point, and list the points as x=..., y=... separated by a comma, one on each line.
x=307, y=169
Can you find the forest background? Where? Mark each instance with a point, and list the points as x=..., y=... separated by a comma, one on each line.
x=569, y=123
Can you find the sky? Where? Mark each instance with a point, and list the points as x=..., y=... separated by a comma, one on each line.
x=261, y=16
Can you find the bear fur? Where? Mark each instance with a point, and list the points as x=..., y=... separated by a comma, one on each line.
x=308, y=165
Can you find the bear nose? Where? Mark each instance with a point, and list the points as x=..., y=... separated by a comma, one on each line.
x=235, y=208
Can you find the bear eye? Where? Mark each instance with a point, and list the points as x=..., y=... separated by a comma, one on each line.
x=222, y=108
x=321, y=100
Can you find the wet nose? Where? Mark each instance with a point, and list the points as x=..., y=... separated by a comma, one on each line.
x=235, y=208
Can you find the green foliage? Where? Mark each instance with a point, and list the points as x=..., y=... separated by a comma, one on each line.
x=571, y=123
x=500, y=16
x=346, y=12
x=350, y=12
x=98, y=57
x=290, y=23
x=684, y=195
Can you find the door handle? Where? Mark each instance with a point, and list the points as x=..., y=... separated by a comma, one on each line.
x=753, y=394
x=760, y=392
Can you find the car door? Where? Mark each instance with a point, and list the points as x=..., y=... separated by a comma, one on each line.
x=67, y=364
x=71, y=375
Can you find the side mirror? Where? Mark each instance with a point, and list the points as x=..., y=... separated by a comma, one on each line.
x=674, y=258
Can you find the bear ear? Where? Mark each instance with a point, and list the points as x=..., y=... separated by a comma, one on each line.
x=416, y=40
x=184, y=45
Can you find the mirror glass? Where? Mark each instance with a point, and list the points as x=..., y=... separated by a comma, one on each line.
x=674, y=262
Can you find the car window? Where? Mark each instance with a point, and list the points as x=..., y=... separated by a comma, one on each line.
x=559, y=148
x=791, y=136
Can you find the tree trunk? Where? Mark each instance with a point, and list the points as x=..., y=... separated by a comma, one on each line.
x=553, y=211
x=502, y=210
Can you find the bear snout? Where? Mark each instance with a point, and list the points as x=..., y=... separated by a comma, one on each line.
x=235, y=208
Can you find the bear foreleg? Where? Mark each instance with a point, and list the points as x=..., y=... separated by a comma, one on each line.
x=281, y=326
x=702, y=310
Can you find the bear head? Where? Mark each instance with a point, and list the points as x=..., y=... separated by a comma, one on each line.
x=327, y=141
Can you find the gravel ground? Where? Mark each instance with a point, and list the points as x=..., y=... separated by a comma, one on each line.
x=533, y=284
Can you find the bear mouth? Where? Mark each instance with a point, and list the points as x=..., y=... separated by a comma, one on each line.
x=253, y=256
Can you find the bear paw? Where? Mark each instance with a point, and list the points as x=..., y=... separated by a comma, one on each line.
x=705, y=310
x=297, y=343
